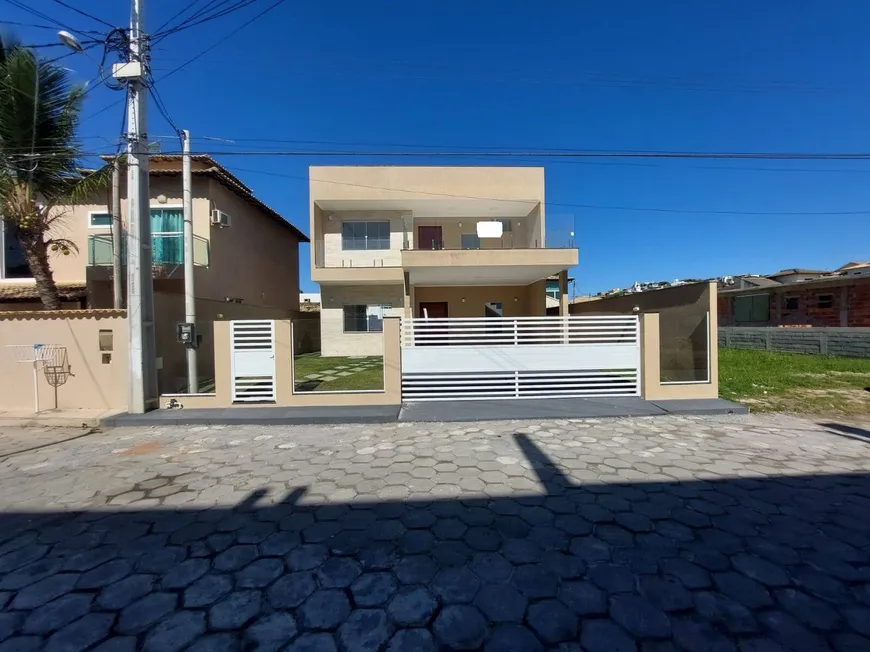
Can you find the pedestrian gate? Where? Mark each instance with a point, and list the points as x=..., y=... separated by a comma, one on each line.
x=522, y=357
x=252, y=364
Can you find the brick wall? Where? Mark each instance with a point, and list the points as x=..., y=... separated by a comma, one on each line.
x=811, y=306
x=859, y=305
x=847, y=342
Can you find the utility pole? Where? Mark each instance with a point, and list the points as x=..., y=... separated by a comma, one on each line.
x=189, y=294
x=117, y=245
x=140, y=288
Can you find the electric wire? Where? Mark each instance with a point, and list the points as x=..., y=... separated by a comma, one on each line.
x=84, y=13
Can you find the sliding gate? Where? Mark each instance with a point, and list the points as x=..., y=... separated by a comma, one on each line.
x=522, y=357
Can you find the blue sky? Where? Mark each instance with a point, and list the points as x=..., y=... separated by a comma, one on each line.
x=780, y=75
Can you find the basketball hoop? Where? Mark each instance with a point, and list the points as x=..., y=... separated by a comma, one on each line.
x=39, y=355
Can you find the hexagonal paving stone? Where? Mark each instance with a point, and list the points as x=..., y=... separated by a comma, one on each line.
x=535, y=582
x=365, y=630
x=455, y=585
x=513, y=637
x=491, y=567
x=415, y=569
x=317, y=642
x=207, y=590
x=583, y=598
x=175, y=632
x=611, y=577
x=373, y=589
x=307, y=556
x=235, y=558
x=501, y=603
x=449, y=528
x=235, y=610
x=761, y=570
x=146, y=611
x=606, y=636
x=81, y=634
x=460, y=627
x=324, y=609
x=45, y=590
x=291, y=590
x=338, y=573
x=639, y=617
x=259, y=573
x=412, y=640
x=105, y=574
x=725, y=612
x=271, y=632
x=552, y=621
x=666, y=593
x=412, y=606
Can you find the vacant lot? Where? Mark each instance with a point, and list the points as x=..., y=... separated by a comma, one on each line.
x=314, y=373
x=766, y=380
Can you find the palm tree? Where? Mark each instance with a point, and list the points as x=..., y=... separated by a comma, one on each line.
x=39, y=159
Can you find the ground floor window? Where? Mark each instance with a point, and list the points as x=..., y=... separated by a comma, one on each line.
x=365, y=318
x=13, y=264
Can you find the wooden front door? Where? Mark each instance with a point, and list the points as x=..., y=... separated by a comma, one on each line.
x=433, y=309
x=429, y=237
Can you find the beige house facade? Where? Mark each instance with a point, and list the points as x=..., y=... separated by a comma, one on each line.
x=426, y=242
x=246, y=267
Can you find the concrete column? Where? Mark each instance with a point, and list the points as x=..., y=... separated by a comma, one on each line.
x=222, y=365
x=563, y=293
x=283, y=362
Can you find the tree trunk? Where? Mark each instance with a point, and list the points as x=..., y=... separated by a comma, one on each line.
x=36, y=254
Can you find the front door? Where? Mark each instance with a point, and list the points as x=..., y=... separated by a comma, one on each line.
x=433, y=309
x=429, y=237
x=435, y=333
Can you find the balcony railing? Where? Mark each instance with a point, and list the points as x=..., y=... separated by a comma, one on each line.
x=166, y=249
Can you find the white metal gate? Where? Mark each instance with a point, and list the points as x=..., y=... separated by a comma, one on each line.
x=252, y=363
x=522, y=357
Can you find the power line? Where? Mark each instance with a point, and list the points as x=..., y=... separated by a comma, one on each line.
x=39, y=14
x=563, y=205
x=223, y=40
x=201, y=17
x=84, y=13
x=34, y=25
x=767, y=156
x=184, y=8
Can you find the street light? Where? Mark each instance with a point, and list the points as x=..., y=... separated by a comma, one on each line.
x=70, y=41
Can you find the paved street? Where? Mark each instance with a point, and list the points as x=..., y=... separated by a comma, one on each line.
x=747, y=533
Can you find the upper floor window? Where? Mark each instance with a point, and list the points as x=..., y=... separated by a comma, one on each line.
x=99, y=220
x=357, y=236
x=505, y=225
x=792, y=303
x=826, y=301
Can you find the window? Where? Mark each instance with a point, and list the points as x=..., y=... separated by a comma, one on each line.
x=505, y=225
x=167, y=236
x=791, y=303
x=365, y=318
x=493, y=309
x=470, y=241
x=360, y=236
x=99, y=220
x=826, y=301
x=13, y=264
x=752, y=308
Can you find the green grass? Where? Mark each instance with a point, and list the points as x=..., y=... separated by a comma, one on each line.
x=313, y=363
x=767, y=381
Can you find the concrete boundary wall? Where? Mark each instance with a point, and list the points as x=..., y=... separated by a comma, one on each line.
x=91, y=368
x=846, y=342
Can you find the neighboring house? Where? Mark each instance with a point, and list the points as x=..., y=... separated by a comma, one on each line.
x=796, y=275
x=855, y=269
x=246, y=257
x=553, y=291
x=426, y=242
x=827, y=301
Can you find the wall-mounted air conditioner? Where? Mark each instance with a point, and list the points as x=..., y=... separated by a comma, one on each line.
x=219, y=218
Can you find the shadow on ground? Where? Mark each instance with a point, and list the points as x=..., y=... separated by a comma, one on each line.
x=844, y=430
x=744, y=564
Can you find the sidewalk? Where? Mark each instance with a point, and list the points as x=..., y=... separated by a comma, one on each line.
x=63, y=418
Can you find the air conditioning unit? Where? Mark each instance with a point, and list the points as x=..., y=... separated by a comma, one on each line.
x=219, y=218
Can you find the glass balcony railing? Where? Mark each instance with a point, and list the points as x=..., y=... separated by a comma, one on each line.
x=166, y=249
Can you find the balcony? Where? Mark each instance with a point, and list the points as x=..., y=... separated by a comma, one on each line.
x=166, y=249
x=474, y=266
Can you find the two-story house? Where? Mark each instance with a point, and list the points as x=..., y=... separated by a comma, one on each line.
x=246, y=258
x=428, y=242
